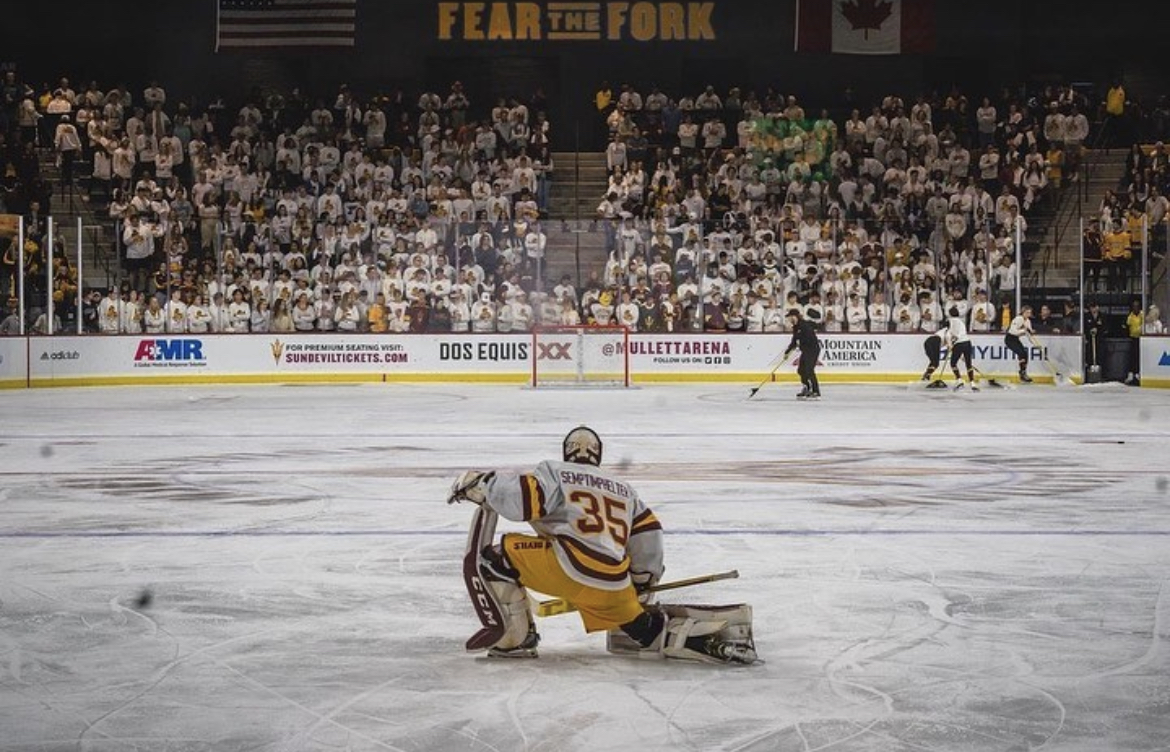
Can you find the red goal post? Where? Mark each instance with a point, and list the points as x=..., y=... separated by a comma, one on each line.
x=580, y=356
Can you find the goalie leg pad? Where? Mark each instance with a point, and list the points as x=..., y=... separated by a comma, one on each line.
x=519, y=639
x=707, y=634
x=500, y=602
x=483, y=528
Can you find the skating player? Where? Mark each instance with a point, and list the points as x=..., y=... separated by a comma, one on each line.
x=804, y=338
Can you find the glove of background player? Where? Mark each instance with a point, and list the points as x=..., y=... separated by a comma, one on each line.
x=470, y=486
x=642, y=581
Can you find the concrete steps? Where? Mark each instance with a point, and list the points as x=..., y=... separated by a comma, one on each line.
x=1059, y=259
x=99, y=266
x=574, y=248
x=578, y=185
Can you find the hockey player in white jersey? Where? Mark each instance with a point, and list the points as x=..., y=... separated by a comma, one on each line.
x=598, y=546
x=959, y=344
x=1020, y=327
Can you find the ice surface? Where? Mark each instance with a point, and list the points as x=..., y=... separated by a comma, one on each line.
x=929, y=571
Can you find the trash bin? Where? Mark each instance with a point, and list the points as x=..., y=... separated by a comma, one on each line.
x=1115, y=358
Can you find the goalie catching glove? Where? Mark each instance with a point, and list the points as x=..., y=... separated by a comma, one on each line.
x=471, y=486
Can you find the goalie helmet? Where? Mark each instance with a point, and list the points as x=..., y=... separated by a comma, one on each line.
x=582, y=446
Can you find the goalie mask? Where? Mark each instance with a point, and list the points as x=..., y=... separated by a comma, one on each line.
x=582, y=446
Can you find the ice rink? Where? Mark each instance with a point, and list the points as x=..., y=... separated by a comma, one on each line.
x=929, y=571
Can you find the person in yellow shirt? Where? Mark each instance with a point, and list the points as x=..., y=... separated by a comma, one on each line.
x=1115, y=115
x=1054, y=161
x=377, y=315
x=1133, y=327
x=1116, y=254
x=603, y=99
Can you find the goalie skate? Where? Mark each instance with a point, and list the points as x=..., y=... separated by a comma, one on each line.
x=526, y=649
x=707, y=634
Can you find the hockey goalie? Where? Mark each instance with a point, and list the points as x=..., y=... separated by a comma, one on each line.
x=597, y=546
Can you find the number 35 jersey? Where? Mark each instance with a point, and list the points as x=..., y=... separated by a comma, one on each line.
x=599, y=528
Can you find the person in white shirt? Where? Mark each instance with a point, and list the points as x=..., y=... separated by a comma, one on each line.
x=774, y=319
x=982, y=313
x=326, y=309
x=483, y=314
x=260, y=319
x=879, y=316
x=834, y=313
x=960, y=347
x=460, y=311
x=110, y=312
x=929, y=313
x=198, y=317
x=856, y=318
x=176, y=313
x=755, y=314
x=906, y=315
x=304, y=316
x=628, y=312
x=239, y=313
x=347, y=314
x=521, y=312
x=132, y=313
x=1020, y=327
x=154, y=318
x=1153, y=321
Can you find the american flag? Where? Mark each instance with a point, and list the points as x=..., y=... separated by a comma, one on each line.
x=244, y=24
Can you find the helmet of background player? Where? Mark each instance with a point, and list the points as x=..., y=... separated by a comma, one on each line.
x=582, y=446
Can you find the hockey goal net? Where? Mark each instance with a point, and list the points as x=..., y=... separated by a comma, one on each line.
x=580, y=356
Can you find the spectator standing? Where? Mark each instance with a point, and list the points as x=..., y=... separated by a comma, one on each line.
x=68, y=145
x=1153, y=323
x=1094, y=327
x=1115, y=113
x=1134, y=323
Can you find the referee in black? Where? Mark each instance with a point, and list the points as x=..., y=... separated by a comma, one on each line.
x=804, y=338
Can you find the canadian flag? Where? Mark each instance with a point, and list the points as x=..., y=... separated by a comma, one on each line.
x=865, y=27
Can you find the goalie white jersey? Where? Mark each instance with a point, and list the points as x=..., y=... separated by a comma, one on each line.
x=600, y=529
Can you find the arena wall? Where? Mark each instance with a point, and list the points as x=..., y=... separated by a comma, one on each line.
x=1156, y=361
x=498, y=358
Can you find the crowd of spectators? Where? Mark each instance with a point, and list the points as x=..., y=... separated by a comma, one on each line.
x=389, y=213
x=1130, y=223
x=741, y=207
x=384, y=213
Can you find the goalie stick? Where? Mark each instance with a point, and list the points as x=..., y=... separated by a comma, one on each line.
x=483, y=529
x=557, y=606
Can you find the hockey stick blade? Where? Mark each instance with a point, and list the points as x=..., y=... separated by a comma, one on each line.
x=557, y=606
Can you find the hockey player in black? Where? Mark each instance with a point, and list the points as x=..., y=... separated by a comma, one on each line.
x=933, y=348
x=804, y=338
